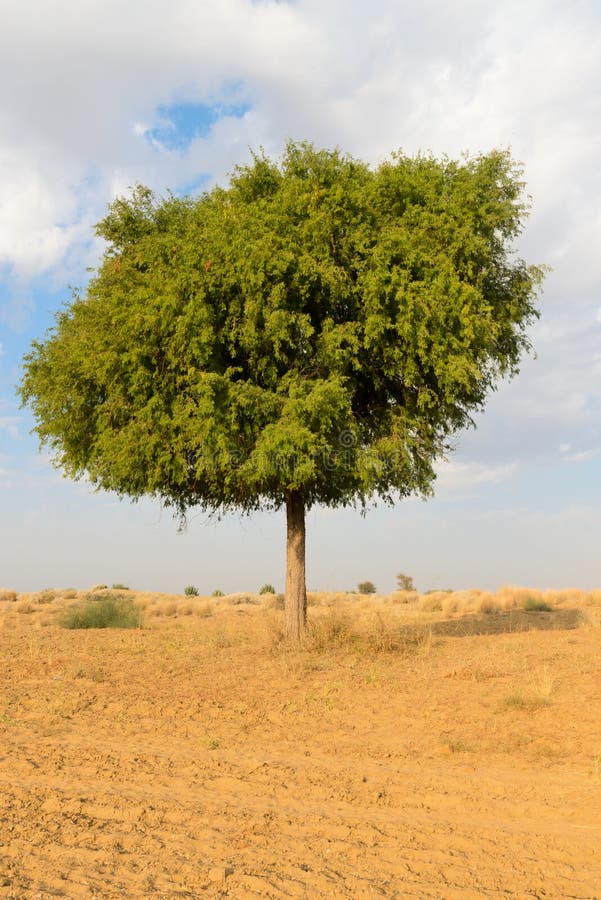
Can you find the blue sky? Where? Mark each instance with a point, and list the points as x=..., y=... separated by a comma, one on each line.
x=174, y=96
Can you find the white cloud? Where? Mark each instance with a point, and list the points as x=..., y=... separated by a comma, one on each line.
x=80, y=88
x=79, y=94
x=38, y=213
x=454, y=477
x=10, y=425
x=76, y=92
x=583, y=455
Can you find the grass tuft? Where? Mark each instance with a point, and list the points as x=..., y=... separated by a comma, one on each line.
x=108, y=611
x=204, y=609
x=333, y=629
x=532, y=604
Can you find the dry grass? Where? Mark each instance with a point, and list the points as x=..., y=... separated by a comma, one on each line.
x=352, y=754
x=537, y=693
x=340, y=620
x=404, y=597
x=203, y=609
x=24, y=606
x=241, y=598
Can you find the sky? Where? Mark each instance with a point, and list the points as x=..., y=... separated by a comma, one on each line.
x=99, y=95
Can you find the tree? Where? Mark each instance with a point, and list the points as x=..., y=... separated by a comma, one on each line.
x=312, y=333
x=404, y=582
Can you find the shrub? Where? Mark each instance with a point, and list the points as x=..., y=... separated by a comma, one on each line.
x=366, y=587
x=8, y=596
x=217, y=593
x=267, y=589
x=191, y=591
x=45, y=596
x=107, y=611
x=531, y=604
x=120, y=587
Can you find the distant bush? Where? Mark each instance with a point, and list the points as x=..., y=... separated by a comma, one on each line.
x=191, y=591
x=267, y=589
x=8, y=596
x=531, y=604
x=217, y=593
x=99, y=587
x=108, y=611
x=120, y=587
x=366, y=587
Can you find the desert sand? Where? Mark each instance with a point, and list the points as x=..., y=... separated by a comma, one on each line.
x=199, y=756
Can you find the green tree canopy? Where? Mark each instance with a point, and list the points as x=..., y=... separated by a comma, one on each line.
x=313, y=333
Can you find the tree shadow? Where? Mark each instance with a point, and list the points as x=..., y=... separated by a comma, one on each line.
x=513, y=620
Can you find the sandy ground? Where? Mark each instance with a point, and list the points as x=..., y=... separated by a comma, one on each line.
x=199, y=757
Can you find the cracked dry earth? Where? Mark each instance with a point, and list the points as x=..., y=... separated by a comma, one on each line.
x=193, y=759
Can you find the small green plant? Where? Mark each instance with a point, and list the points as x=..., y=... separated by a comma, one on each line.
x=108, y=611
x=366, y=587
x=191, y=591
x=595, y=768
x=267, y=589
x=516, y=701
x=458, y=747
x=120, y=587
x=217, y=593
x=531, y=604
x=529, y=703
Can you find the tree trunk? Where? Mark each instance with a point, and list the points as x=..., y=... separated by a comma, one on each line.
x=296, y=590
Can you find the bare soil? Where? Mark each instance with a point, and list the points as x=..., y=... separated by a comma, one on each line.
x=201, y=757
